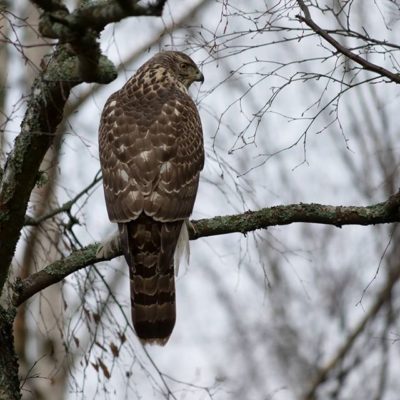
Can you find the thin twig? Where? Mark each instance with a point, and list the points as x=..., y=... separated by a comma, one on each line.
x=380, y=300
x=65, y=208
x=367, y=65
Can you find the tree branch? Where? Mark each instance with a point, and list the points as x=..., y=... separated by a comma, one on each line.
x=55, y=272
x=167, y=29
x=81, y=28
x=95, y=16
x=50, y=5
x=9, y=382
x=65, y=208
x=323, y=372
x=381, y=213
x=44, y=112
x=71, y=64
x=367, y=65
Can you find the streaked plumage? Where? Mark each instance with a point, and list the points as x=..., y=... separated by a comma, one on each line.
x=151, y=154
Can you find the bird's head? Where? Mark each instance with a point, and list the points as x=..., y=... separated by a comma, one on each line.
x=182, y=66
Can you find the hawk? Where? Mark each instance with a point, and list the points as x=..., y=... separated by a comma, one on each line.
x=151, y=155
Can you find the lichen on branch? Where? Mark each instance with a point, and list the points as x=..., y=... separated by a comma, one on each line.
x=77, y=58
x=380, y=213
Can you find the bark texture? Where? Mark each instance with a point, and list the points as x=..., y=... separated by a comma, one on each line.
x=9, y=382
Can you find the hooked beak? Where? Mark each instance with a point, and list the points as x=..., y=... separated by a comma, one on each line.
x=199, y=77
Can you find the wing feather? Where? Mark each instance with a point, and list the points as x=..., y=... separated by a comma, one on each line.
x=151, y=153
x=151, y=156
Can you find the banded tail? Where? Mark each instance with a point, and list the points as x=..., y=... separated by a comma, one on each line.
x=149, y=247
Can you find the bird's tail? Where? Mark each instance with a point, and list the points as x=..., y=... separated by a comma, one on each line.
x=148, y=247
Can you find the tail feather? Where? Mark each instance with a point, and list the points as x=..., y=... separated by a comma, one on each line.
x=148, y=247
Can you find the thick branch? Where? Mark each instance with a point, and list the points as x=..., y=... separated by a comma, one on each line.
x=9, y=382
x=81, y=28
x=343, y=50
x=167, y=29
x=44, y=112
x=95, y=16
x=69, y=66
x=386, y=212
x=55, y=272
x=50, y=5
x=381, y=213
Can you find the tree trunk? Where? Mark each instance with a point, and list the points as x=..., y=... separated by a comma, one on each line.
x=9, y=382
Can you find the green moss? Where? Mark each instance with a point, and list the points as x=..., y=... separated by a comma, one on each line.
x=64, y=66
x=107, y=70
x=42, y=179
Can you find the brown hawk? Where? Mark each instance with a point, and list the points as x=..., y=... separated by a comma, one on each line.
x=151, y=154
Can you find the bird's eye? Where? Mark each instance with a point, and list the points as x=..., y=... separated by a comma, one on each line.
x=184, y=66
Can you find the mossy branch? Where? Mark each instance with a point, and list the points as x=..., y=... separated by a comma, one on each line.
x=9, y=383
x=77, y=59
x=381, y=213
x=44, y=112
x=68, y=27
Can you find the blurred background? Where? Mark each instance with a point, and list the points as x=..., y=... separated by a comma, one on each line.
x=302, y=311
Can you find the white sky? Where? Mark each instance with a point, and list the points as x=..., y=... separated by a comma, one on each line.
x=227, y=332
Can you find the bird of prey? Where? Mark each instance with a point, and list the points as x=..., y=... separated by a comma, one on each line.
x=151, y=154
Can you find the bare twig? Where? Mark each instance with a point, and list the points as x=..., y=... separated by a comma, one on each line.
x=367, y=65
x=66, y=207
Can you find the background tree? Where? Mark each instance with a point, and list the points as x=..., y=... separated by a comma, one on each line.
x=299, y=108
